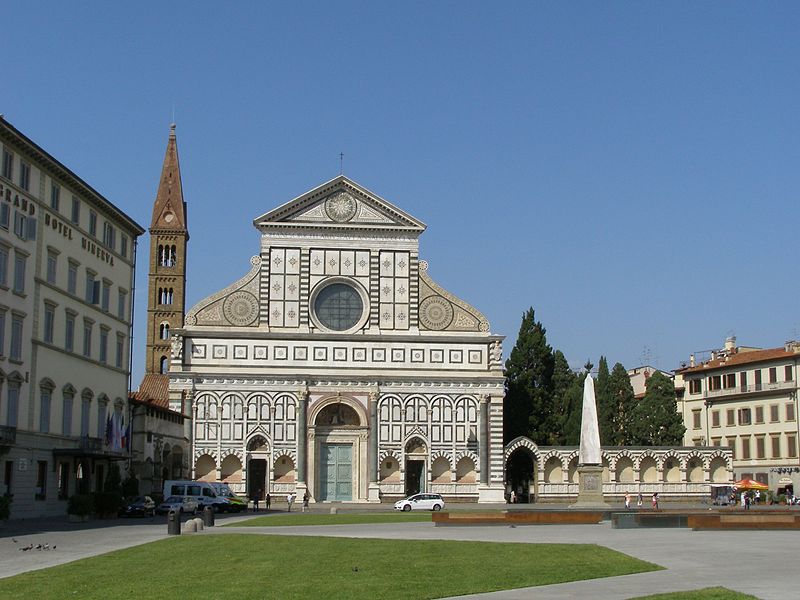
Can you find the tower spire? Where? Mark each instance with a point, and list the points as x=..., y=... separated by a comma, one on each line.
x=169, y=211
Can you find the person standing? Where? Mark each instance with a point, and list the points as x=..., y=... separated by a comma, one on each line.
x=627, y=500
x=655, y=501
x=640, y=500
x=256, y=497
x=267, y=502
x=289, y=500
x=305, y=501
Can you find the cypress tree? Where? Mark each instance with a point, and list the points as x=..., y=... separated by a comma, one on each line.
x=563, y=378
x=656, y=421
x=623, y=403
x=527, y=408
x=605, y=404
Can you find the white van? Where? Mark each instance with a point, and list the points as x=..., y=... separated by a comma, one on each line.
x=200, y=491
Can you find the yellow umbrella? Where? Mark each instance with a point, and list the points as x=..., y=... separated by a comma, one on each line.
x=749, y=484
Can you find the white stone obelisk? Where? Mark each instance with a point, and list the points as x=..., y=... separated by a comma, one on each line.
x=590, y=458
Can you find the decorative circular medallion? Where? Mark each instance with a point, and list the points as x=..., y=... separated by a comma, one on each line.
x=168, y=217
x=435, y=313
x=341, y=207
x=241, y=308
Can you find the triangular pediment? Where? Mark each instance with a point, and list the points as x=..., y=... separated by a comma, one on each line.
x=340, y=203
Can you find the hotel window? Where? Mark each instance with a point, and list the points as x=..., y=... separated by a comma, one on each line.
x=714, y=382
x=8, y=164
x=41, y=480
x=745, y=418
x=760, y=452
x=790, y=412
x=24, y=175
x=12, y=410
x=93, y=223
x=102, y=404
x=20, y=262
x=55, y=196
x=696, y=419
x=773, y=413
x=5, y=215
x=106, y=299
x=745, y=447
x=695, y=386
x=72, y=277
x=788, y=375
x=69, y=334
x=773, y=374
x=757, y=375
x=715, y=418
x=2, y=332
x=86, y=407
x=3, y=265
x=123, y=245
x=791, y=445
x=759, y=414
x=15, y=352
x=87, y=337
x=120, y=350
x=716, y=441
x=743, y=380
x=109, y=235
x=776, y=445
x=92, y=288
x=44, y=414
x=49, y=322
x=66, y=422
x=52, y=264
x=121, y=302
x=730, y=417
x=730, y=380
x=75, y=217
x=103, y=344
x=63, y=481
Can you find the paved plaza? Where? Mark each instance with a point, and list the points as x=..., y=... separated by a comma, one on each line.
x=760, y=563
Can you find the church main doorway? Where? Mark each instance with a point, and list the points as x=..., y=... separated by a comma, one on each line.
x=256, y=477
x=415, y=471
x=336, y=472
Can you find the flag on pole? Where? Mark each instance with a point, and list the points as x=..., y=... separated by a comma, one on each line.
x=109, y=430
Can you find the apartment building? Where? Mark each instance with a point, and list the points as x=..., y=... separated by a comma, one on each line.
x=746, y=398
x=67, y=258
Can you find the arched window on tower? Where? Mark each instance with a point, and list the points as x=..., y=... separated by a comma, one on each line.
x=163, y=331
x=164, y=367
x=173, y=256
x=170, y=295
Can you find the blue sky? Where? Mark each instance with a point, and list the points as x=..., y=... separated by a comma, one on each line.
x=629, y=169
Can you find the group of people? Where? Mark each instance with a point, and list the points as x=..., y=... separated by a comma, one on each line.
x=640, y=500
x=290, y=498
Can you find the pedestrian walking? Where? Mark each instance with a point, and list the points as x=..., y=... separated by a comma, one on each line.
x=289, y=501
x=655, y=501
x=256, y=497
x=267, y=501
x=627, y=500
x=305, y=501
x=640, y=500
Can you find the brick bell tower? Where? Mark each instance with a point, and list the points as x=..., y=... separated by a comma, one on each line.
x=169, y=235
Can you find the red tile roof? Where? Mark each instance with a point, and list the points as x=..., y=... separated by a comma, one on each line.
x=154, y=390
x=741, y=358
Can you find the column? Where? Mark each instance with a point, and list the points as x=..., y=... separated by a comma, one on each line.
x=373, y=490
x=302, y=429
x=483, y=438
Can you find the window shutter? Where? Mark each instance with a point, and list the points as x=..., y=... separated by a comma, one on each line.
x=31, y=233
x=96, y=293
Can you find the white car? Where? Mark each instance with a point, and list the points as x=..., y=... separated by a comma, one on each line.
x=420, y=502
x=180, y=504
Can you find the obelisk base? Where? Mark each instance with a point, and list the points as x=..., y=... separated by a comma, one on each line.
x=590, y=488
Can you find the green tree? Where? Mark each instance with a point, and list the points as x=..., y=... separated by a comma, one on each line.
x=574, y=401
x=527, y=408
x=113, y=482
x=563, y=379
x=623, y=402
x=656, y=421
x=605, y=403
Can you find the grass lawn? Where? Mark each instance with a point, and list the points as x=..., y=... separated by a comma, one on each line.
x=715, y=593
x=254, y=566
x=279, y=519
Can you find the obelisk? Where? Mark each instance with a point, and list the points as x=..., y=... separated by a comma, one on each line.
x=590, y=459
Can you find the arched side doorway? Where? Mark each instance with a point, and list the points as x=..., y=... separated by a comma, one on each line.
x=416, y=453
x=522, y=476
x=257, y=472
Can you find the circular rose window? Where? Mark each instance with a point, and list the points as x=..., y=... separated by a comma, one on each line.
x=338, y=307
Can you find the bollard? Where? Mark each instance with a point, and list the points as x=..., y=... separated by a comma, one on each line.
x=198, y=522
x=191, y=526
x=173, y=523
x=333, y=510
x=208, y=516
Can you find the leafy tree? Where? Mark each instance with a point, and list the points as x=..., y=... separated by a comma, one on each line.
x=574, y=401
x=527, y=408
x=623, y=402
x=605, y=403
x=113, y=482
x=563, y=378
x=656, y=421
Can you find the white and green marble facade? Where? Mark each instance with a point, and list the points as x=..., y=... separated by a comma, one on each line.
x=411, y=380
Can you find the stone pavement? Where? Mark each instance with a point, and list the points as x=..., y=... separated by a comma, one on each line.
x=760, y=563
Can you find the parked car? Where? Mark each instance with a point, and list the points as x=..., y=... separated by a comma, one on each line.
x=141, y=506
x=180, y=504
x=420, y=502
x=235, y=503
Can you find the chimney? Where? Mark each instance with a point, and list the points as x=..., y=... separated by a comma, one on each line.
x=691, y=360
x=730, y=344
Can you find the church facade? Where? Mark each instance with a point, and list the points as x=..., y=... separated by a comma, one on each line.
x=337, y=366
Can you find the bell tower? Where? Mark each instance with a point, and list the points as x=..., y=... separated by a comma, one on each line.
x=169, y=235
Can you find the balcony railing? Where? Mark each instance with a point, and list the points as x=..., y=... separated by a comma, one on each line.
x=751, y=389
x=8, y=435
